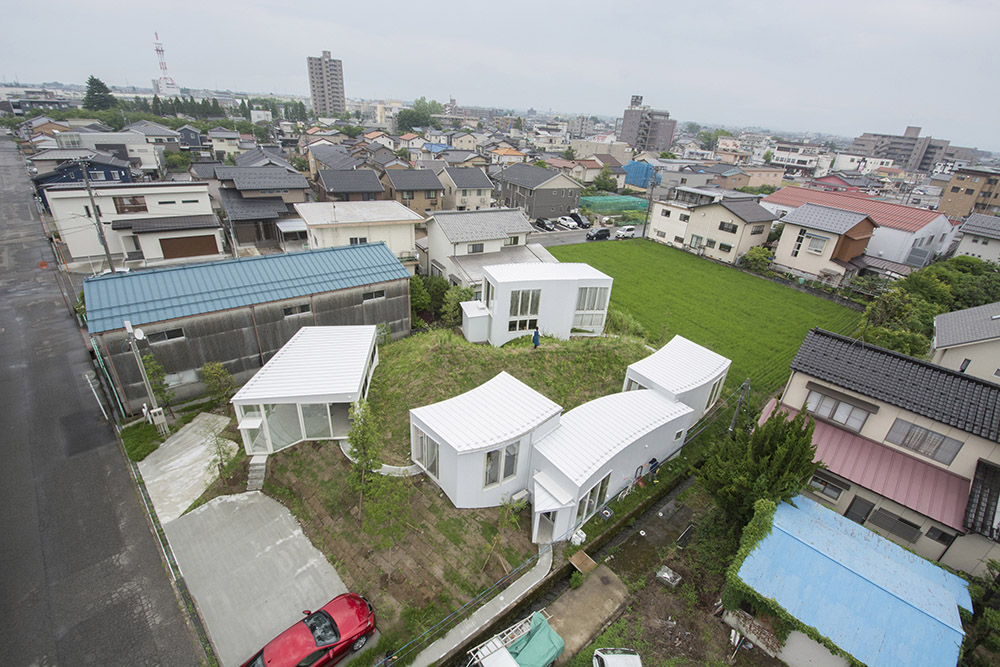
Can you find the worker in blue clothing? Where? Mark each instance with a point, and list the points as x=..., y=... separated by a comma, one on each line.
x=534, y=338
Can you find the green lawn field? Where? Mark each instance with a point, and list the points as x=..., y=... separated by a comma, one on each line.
x=756, y=323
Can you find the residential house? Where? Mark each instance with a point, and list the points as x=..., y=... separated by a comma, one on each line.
x=693, y=150
x=613, y=165
x=410, y=141
x=971, y=190
x=823, y=243
x=845, y=181
x=505, y=440
x=968, y=341
x=801, y=159
x=156, y=134
x=381, y=138
x=281, y=405
x=910, y=447
x=465, y=189
x=144, y=223
x=462, y=158
x=461, y=141
x=256, y=198
x=264, y=156
x=41, y=125
x=327, y=156
x=581, y=171
x=725, y=176
x=586, y=148
x=764, y=175
x=980, y=237
x=65, y=165
x=460, y=243
x=905, y=235
x=506, y=156
x=556, y=299
x=350, y=185
x=332, y=224
x=718, y=224
x=418, y=189
x=238, y=312
x=866, y=597
x=127, y=145
x=224, y=142
x=189, y=137
x=866, y=164
x=539, y=192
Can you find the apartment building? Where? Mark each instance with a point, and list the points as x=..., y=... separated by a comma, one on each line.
x=326, y=84
x=971, y=190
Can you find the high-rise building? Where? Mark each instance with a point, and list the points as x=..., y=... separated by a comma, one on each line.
x=971, y=190
x=911, y=151
x=647, y=129
x=326, y=83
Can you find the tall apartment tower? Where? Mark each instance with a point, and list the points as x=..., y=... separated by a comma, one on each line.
x=647, y=129
x=326, y=83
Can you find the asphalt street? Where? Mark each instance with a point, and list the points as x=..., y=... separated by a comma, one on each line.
x=82, y=581
x=569, y=236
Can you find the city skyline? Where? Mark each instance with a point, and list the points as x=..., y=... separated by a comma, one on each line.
x=875, y=67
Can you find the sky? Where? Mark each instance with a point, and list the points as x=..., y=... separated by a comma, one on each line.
x=839, y=68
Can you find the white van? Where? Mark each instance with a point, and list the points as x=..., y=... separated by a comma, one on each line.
x=616, y=657
x=626, y=232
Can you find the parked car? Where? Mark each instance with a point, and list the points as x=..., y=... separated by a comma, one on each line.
x=599, y=234
x=616, y=657
x=626, y=232
x=567, y=222
x=323, y=637
x=580, y=220
x=545, y=223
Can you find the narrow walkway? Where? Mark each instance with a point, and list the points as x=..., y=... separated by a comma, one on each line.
x=488, y=612
x=386, y=469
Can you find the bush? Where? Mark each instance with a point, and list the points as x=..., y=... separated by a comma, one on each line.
x=623, y=323
x=436, y=287
x=758, y=259
x=575, y=579
x=451, y=310
x=219, y=384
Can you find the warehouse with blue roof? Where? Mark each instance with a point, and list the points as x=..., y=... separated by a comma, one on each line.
x=873, y=600
x=238, y=312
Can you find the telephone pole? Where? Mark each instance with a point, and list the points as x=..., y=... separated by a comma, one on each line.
x=97, y=215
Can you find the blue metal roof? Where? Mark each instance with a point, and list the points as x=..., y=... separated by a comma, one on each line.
x=869, y=596
x=181, y=291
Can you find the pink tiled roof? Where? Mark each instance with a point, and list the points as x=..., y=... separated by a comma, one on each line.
x=913, y=483
x=885, y=214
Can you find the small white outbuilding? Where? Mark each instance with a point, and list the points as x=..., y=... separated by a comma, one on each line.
x=307, y=388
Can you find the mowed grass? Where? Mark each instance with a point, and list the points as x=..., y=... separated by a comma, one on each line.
x=755, y=322
x=435, y=365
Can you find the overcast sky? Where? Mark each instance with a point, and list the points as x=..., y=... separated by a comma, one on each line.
x=842, y=68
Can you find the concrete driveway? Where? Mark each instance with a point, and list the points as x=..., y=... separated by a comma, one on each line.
x=251, y=570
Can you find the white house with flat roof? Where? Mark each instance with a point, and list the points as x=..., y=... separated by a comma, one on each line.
x=306, y=390
x=504, y=440
x=330, y=224
x=557, y=299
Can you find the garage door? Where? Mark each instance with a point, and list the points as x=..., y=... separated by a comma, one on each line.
x=189, y=246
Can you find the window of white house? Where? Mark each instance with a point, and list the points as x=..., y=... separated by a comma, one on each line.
x=524, y=309
x=825, y=487
x=696, y=241
x=490, y=294
x=684, y=217
x=710, y=243
x=165, y=203
x=798, y=243
x=939, y=535
x=851, y=416
x=130, y=204
x=300, y=309
x=757, y=229
x=465, y=193
x=371, y=296
x=501, y=464
x=665, y=213
x=163, y=336
x=591, y=303
x=660, y=234
x=816, y=244
x=924, y=441
x=357, y=240
x=725, y=247
x=510, y=240
x=189, y=201
x=678, y=239
x=729, y=227
x=895, y=524
x=406, y=194
x=427, y=453
x=678, y=435
x=475, y=247
x=713, y=396
x=431, y=194
x=593, y=499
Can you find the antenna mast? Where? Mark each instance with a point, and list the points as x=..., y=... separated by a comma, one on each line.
x=162, y=58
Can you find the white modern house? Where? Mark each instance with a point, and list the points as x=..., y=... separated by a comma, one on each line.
x=306, y=390
x=557, y=299
x=504, y=440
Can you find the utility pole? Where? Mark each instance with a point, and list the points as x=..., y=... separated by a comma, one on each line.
x=97, y=215
x=649, y=200
x=739, y=404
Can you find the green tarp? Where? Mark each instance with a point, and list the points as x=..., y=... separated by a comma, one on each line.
x=614, y=204
x=539, y=647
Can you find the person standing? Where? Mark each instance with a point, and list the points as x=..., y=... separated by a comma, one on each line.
x=535, y=338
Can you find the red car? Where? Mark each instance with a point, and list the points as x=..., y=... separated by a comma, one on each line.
x=323, y=637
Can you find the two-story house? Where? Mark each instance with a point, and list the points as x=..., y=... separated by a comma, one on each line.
x=714, y=223
x=224, y=142
x=65, y=165
x=911, y=449
x=189, y=137
x=350, y=185
x=465, y=189
x=255, y=199
x=462, y=141
x=460, y=243
x=156, y=134
x=332, y=224
x=126, y=145
x=539, y=192
x=418, y=189
x=980, y=237
x=823, y=243
x=968, y=341
x=144, y=223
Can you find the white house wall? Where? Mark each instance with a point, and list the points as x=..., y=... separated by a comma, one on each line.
x=152, y=251
x=398, y=236
x=695, y=398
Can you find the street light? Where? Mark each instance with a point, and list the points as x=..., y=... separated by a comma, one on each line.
x=155, y=413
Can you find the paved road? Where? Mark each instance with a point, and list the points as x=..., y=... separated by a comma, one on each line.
x=81, y=578
x=568, y=236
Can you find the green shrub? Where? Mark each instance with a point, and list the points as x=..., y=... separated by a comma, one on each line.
x=575, y=579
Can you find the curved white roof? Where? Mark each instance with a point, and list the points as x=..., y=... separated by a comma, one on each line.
x=681, y=365
x=496, y=411
x=593, y=433
x=317, y=365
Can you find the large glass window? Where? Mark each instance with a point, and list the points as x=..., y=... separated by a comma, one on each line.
x=130, y=204
x=851, y=416
x=316, y=420
x=924, y=441
x=592, y=500
x=591, y=303
x=427, y=453
x=524, y=309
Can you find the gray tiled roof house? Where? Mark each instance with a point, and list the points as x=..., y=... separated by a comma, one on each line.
x=470, y=177
x=982, y=225
x=346, y=181
x=967, y=326
x=413, y=179
x=482, y=225
x=824, y=218
x=748, y=210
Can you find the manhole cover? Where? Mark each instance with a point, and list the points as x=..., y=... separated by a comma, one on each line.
x=43, y=265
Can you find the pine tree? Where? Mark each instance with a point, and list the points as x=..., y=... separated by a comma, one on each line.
x=244, y=109
x=216, y=108
x=157, y=107
x=98, y=95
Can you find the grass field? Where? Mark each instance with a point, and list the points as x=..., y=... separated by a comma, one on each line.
x=756, y=323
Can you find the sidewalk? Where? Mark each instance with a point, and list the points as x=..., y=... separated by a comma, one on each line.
x=488, y=612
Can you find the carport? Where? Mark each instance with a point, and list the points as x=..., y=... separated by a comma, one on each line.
x=305, y=391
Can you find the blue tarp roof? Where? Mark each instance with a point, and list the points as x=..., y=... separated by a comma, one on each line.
x=869, y=596
x=180, y=291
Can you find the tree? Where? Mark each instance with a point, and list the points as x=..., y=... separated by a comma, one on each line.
x=667, y=155
x=773, y=462
x=540, y=163
x=605, y=181
x=403, y=153
x=692, y=128
x=158, y=381
x=711, y=138
x=98, y=95
x=157, y=106
x=420, y=298
x=178, y=160
x=219, y=384
x=768, y=156
x=757, y=258
x=436, y=287
x=569, y=154
x=982, y=627
x=217, y=109
x=407, y=119
x=421, y=105
x=518, y=123
x=300, y=163
x=244, y=109
x=230, y=160
x=364, y=440
x=451, y=310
